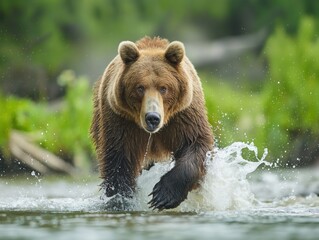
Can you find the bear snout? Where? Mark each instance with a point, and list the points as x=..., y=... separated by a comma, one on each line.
x=152, y=120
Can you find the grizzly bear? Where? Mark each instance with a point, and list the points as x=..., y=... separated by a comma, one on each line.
x=150, y=93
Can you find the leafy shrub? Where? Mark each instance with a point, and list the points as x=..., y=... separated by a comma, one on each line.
x=10, y=118
x=291, y=93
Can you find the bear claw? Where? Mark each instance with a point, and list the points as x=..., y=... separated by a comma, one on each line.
x=163, y=198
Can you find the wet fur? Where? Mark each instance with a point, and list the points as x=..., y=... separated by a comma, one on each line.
x=121, y=142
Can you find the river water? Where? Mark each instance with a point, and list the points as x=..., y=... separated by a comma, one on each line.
x=238, y=199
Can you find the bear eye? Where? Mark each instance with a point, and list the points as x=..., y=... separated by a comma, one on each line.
x=163, y=90
x=140, y=90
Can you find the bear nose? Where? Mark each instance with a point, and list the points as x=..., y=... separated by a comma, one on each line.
x=152, y=120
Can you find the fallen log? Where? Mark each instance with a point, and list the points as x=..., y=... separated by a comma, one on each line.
x=36, y=157
x=208, y=53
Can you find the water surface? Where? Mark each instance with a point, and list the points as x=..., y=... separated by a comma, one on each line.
x=235, y=201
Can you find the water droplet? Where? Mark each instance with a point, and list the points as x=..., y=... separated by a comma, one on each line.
x=147, y=148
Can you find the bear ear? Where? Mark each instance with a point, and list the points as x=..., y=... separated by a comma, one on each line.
x=175, y=52
x=128, y=52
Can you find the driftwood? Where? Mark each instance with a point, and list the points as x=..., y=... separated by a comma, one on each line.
x=207, y=53
x=36, y=157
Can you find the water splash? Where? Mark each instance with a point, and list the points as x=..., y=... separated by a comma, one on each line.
x=226, y=184
x=147, y=149
x=57, y=196
x=224, y=187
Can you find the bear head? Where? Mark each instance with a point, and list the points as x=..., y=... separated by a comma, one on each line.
x=154, y=83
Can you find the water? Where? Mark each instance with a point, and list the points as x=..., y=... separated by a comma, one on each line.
x=238, y=199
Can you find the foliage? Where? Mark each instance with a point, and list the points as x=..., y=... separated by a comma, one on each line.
x=234, y=114
x=291, y=93
x=12, y=109
x=54, y=34
x=62, y=29
x=60, y=127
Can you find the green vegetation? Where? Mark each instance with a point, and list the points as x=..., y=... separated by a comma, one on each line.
x=284, y=115
x=47, y=37
x=235, y=115
x=61, y=127
x=12, y=109
x=292, y=107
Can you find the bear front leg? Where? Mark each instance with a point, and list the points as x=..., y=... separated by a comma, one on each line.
x=174, y=186
x=119, y=181
x=118, y=173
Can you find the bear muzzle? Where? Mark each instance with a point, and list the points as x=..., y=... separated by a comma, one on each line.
x=152, y=111
x=152, y=120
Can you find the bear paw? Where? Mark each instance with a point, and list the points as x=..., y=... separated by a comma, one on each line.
x=166, y=195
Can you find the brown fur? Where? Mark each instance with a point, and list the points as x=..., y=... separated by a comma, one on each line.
x=169, y=79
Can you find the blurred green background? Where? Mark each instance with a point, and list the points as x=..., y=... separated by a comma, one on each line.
x=258, y=61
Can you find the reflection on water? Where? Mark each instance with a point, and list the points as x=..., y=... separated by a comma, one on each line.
x=256, y=224
x=235, y=201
